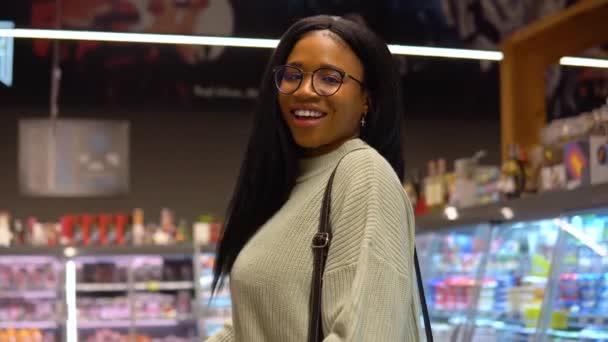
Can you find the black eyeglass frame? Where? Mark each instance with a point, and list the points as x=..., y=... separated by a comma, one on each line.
x=342, y=73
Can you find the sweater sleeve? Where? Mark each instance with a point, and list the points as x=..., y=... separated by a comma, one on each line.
x=367, y=287
x=225, y=335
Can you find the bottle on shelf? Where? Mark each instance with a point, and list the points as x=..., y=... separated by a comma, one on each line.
x=513, y=179
x=86, y=227
x=104, y=221
x=432, y=187
x=464, y=190
x=139, y=230
x=120, y=224
x=19, y=236
x=6, y=236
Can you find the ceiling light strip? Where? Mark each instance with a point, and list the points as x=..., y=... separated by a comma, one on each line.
x=422, y=51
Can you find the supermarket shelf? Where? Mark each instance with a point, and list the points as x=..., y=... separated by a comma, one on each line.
x=102, y=287
x=155, y=323
x=140, y=286
x=31, y=251
x=103, y=324
x=170, y=250
x=448, y=315
x=500, y=325
x=28, y=325
x=544, y=205
x=29, y=294
x=582, y=320
x=578, y=335
x=164, y=286
x=141, y=323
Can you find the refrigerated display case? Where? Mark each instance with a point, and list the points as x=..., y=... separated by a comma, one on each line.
x=136, y=295
x=30, y=298
x=101, y=293
x=216, y=311
x=452, y=263
x=578, y=294
x=513, y=284
x=531, y=269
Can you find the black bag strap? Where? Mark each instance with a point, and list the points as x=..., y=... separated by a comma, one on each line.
x=425, y=311
x=320, y=247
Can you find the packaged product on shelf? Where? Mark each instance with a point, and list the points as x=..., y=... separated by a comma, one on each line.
x=486, y=179
x=87, y=223
x=183, y=303
x=433, y=188
x=582, y=143
x=37, y=235
x=513, y=179
x=602, y=301
x=106, y=335
x=103, y=308
x=26, y=335
x=122, y=234
x=102, y=272
x=181, y=233
x=6, y=235
x=412, y=189
x=206, y=230
x=138, y=228
x=67, y=230
x=21, y=309
x=162, y=306
x=104, y=221
x=586, y=162
x=167, y=222
x=464, y=190
x=19, y=234
x=533, y=167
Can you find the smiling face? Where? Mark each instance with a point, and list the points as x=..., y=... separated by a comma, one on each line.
x=321, y=124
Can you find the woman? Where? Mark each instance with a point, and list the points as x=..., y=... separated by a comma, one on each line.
x=330, y=90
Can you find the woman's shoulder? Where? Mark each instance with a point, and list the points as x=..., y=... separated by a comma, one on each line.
x=367, y=166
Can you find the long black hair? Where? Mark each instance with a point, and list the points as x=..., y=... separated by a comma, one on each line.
x=269, y=169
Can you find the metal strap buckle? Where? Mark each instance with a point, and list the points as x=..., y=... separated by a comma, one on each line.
x=320, y=240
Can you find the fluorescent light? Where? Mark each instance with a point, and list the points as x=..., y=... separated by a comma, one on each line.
x=139, y=37
x=445, y=52
x=584, y=62
x=507, y=213
x=451, y=213
x=582, y=237
x=422, y=51
x=69, y=252
x=70, y=299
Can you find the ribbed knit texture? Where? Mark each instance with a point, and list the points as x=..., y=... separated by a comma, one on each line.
x=369, y=279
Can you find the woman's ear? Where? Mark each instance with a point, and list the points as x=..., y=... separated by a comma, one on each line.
x=366, y=101
x=367, y=104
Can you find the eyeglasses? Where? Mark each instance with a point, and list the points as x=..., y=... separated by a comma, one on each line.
x=325, y=81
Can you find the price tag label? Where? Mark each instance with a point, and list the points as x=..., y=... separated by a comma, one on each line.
x=153, y=286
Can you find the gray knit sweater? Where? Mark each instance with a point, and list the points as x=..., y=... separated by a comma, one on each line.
x=369, y=280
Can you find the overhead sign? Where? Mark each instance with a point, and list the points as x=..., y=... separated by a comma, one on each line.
x=73, y=157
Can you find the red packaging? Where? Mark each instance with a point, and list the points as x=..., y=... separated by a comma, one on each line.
x=104, y=226
x=67, y=230
x=87, y=221
x=216, y=232
x=120, y=222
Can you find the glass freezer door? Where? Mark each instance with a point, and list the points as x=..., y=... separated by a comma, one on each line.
x=577, y=300
x=514, y=281
x=451, y=271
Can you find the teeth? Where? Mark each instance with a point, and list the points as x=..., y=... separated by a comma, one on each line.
x=308, y=113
